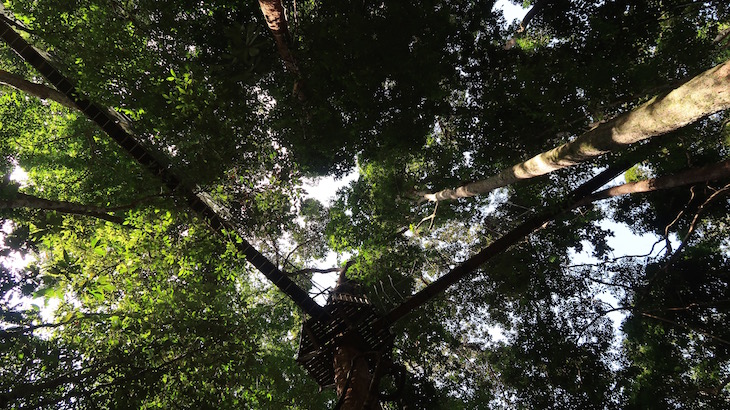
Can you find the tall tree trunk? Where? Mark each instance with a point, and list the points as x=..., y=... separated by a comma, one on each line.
x=702, y=95
x=352, y=376
x=37, y=90
x=273, y=11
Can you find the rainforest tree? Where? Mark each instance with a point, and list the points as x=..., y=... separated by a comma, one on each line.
x=242, y=100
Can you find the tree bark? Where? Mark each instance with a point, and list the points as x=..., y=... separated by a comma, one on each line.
x=273, y=11
x=37, y=90
x=21, y=200
x=689, y=177
x=536, y=8
x=352, y=379
x=701, y=96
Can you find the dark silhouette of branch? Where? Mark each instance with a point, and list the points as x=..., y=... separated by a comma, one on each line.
x=602, y=282
x=534, y=10
x=599, y=316
x=16, y=331
x=79, y=376
x=693, y=224
x=312, y=270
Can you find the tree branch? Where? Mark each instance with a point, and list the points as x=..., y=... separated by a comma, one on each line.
x=37, y=90
x=536, y=8
x=693, y=224
x=312, y=270
x=22, y=200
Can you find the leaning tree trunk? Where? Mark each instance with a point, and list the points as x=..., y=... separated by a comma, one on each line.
x=701, y=96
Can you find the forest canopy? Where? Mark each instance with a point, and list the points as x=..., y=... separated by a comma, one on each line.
x=165, y=144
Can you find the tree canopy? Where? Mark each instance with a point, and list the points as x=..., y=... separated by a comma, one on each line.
x=513, y=298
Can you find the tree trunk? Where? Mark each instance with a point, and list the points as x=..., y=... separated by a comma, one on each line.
x=352, y=379
x=273, y=12
x=702, y=95
x=689, y=177
x=37, y=90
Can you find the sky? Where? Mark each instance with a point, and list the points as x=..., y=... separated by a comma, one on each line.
x=511, y=11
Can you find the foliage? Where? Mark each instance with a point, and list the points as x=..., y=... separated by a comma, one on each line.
x=156, y=312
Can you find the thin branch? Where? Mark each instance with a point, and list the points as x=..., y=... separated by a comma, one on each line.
x=137, y=202
x=312, y=270
x=286, y=259
x=15, y=331
x=617, y=258
x=431, y=217
x=599, y=316
x=612, y=284
x=693, y=224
